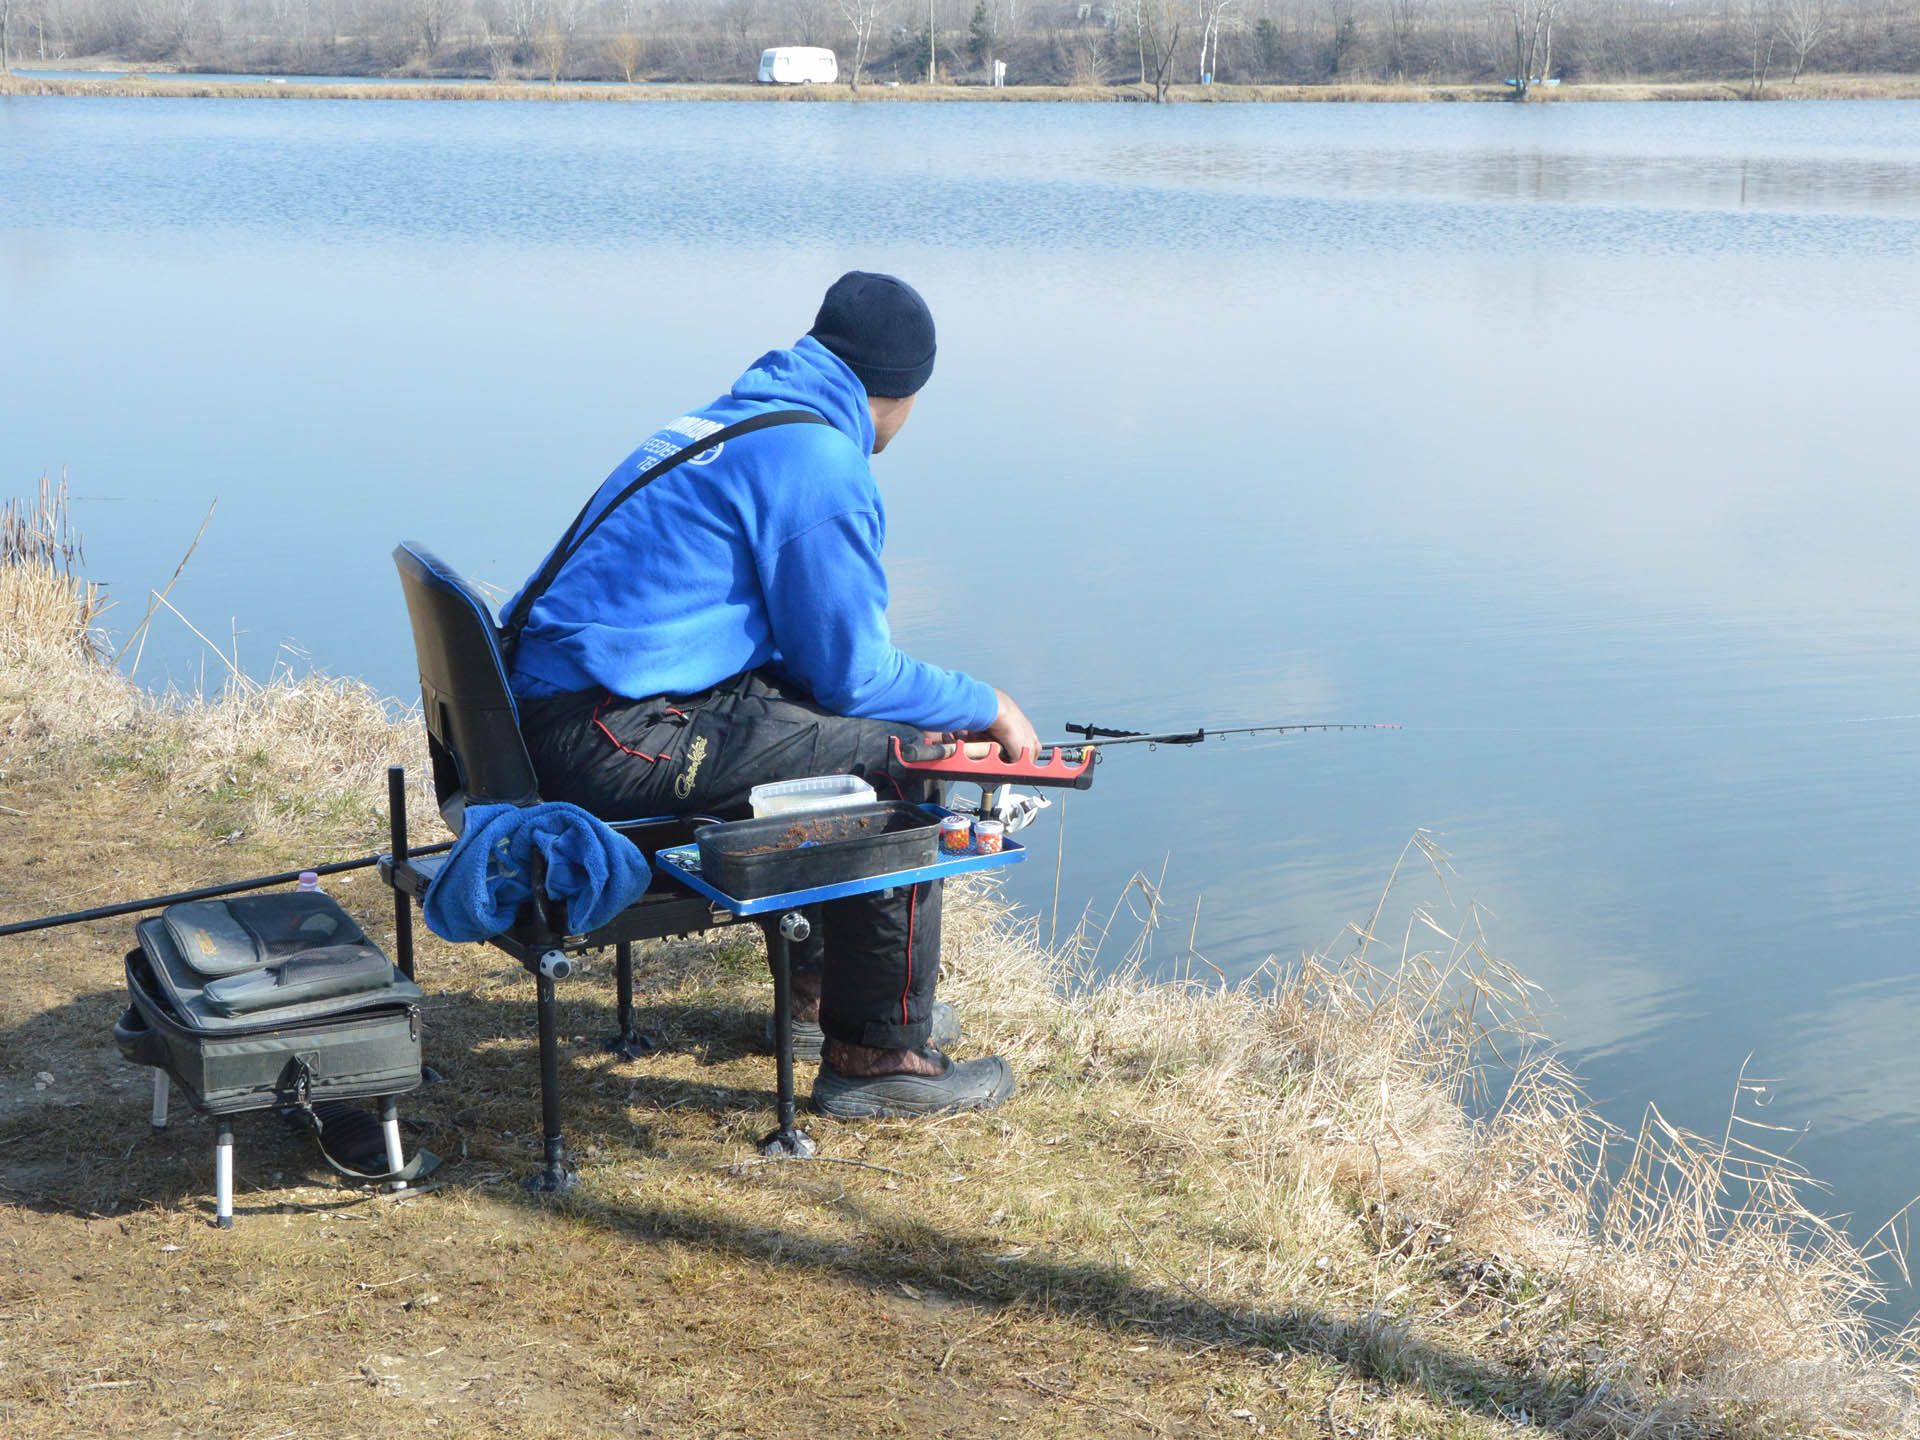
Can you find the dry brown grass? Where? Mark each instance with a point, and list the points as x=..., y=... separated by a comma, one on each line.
x=1685, y=1288
x=43, y=598
x=1354, y=1195
x=261, y=756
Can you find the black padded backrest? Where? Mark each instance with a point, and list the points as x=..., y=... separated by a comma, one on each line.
x=473, y=725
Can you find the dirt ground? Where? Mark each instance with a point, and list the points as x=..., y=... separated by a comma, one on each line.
x=998, y=1275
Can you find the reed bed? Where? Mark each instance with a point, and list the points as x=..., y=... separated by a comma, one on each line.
x=1368, y=1155
x=1654, y=1283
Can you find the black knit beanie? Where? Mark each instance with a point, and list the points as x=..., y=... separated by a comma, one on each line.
x=883, y=330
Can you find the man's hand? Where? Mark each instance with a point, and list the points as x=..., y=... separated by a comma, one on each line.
x=1013, y=730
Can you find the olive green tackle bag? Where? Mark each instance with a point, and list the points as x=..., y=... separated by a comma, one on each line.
x=269, y=1001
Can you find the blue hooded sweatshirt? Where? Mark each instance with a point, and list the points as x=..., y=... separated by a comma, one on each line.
x=763, y=553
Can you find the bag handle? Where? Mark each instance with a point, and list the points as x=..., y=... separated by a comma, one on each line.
x=581, y=530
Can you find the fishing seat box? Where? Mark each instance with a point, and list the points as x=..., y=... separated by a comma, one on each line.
x=267, y=1001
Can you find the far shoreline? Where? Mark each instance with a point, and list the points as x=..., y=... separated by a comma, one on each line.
x=154, y=86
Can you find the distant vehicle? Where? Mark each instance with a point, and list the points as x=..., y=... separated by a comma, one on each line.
x=798, y=65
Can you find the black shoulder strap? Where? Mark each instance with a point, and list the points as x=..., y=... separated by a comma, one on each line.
x=515, y=620
x=344, y=1133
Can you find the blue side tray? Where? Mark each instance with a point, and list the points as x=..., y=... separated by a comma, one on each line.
x=682, y=862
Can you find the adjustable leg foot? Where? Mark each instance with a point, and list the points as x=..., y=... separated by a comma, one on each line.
x=555, y=1176
x=629, y=1044
x=788, y=1142
x=159, y=1119
x=223, y=1176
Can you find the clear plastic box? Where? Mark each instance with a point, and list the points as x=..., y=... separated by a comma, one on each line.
x=816, y=792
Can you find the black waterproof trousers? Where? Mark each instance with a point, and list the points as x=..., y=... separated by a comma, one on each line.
x=700, y=755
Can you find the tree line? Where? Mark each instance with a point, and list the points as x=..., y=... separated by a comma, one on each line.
x=1156, y=43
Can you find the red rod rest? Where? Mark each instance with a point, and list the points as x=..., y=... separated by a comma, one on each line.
x=991, y=769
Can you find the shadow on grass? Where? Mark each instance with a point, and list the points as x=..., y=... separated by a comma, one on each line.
x=84, y=1148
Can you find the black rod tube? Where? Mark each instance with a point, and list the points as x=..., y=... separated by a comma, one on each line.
x=397, y=838
x=549, y=1072
x=206, y=892
x=783, y=1023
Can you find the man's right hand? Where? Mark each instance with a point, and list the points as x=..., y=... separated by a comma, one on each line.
x=1013, y=730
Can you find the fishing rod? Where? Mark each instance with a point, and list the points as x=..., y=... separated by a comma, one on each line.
x=205, y=892
x=1099, y=737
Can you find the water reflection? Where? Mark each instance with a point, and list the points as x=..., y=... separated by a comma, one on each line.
x=1707, y=182
x=1440, y=179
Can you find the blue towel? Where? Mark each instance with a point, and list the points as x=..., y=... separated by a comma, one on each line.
x=489, y=872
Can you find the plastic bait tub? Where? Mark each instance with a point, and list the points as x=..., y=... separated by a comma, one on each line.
x=815, y=792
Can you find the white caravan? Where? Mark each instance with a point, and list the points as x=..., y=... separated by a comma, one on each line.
x=798, y=65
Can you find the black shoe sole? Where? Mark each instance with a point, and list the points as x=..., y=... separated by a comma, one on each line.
x=907, y=1097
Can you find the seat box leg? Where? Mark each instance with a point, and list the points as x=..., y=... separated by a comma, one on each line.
x=160, y=1096
x=629, y=1044
x=223, y=1175
x=789, y=1140
x=390, y=1132
x=554, y=1177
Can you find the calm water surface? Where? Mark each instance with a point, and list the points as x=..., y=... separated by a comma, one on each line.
x=1580, y=439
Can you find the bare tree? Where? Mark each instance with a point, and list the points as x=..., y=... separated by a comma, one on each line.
x=625, y=51
x=7, y=7
x=741, y=16
x=1158, y=26
x=863, y=18
x=1343, y=33
x=1804, y=24
x=173, y=22
x=431, y=19
x=550, y=48
x=806, y=22
x=1757, y=24
x=1528, y=28
x=1087, y=64
x=1210, y=13
x=1405, y=20
x=522, y=19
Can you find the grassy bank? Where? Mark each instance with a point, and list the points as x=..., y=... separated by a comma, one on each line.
x=1811, y=87
x=1259, y=1209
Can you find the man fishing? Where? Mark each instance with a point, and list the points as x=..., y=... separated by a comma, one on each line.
x=723, y=624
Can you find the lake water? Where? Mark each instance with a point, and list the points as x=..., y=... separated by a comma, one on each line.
x=1578, y=439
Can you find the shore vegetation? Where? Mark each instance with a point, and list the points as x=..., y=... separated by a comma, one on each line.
x=149, y=87
x=1353, y=1195
x=1162, y=49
